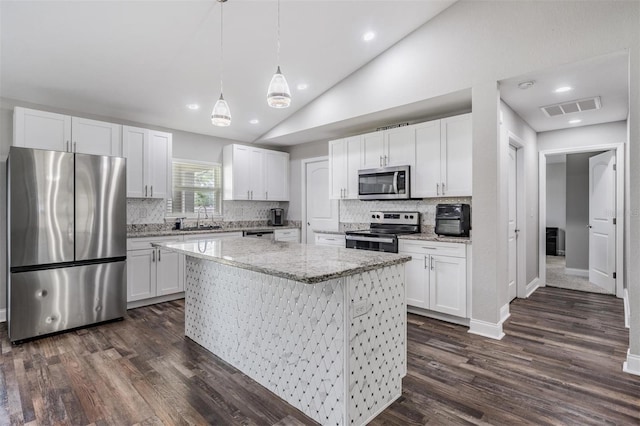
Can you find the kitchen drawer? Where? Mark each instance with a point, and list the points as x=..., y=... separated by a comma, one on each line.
x=432, y=248
x=146, y=242
x=212, y=235
x=286, y=235
x=330, y=240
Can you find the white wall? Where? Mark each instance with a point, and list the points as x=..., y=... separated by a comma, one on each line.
x=557, y=200
x=577, y=137
x=518, y=127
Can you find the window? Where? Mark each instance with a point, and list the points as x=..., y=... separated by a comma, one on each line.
x=195, y=184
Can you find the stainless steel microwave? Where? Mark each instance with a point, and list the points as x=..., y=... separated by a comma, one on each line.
x=387, y=183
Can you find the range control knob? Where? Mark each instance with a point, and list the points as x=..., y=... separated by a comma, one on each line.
x=406, y=216
x=411, y=216
x=373, y=216
x=377, y=216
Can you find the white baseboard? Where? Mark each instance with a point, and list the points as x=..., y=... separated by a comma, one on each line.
x=577, y=272
x=627, y=310
x=532, y=287
x=632, y=364
x=3, y=315
x=154, y=300
x=504, y=313
x=486, y=329
x=438, y=315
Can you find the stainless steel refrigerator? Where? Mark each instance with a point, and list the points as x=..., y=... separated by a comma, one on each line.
x=66, y=223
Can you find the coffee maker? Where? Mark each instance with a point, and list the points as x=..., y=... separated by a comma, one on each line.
x=276, y=217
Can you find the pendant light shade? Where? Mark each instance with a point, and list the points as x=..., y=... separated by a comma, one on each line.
x=221, y=115
x=278, y=94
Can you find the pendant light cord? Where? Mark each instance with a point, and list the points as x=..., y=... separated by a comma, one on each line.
x=278, y=64
x=221, y=47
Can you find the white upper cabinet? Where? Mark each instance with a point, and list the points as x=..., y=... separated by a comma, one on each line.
x=276, y=175
x=148, y=154
x=457, y=156
x=58, y=132
x=373, y=150
x=344, y=162
x=443, y=158
x=395, y=147
x=251, y=173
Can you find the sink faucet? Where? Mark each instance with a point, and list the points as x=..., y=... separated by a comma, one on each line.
x=205, y=215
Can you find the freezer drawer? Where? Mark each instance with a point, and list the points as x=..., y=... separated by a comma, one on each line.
x=47, y=301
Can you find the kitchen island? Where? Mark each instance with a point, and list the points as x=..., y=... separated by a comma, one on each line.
x=324, y=328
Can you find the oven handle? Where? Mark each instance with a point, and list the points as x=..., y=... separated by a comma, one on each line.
x=395, y=182
x=371, y=239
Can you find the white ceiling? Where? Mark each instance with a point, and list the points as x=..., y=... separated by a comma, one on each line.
x=604, y=76
x=144, y=61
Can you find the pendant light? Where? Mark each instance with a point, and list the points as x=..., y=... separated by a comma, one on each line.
x=221, y=114
x=278, y=94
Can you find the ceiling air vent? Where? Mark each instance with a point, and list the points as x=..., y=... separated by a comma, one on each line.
x=564, y=108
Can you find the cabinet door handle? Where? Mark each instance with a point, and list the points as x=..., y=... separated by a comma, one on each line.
x=266, y=195
x=145, y=190
x=425, y=262
x=252, y=194
x=381, y=161
x=432, y=263
x=75, y=147
x=153, y=256
x=68, y=146
x=386, y=162
x=437, y=189
x=152, y=190
x=159, y=255
x=248, y=194
x=430, y=248
x=442, y=188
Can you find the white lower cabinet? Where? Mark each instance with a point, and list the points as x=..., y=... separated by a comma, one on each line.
x=291, y=235
x=436, y=276
x=153, y=271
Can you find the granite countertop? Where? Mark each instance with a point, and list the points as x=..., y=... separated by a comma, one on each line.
x=171, y=232
x=434, y=237
x=320, y=231
x=309, y=264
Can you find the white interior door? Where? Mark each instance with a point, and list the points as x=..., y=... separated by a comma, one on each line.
x=513, y=222
x=322, y=212
x=602, y=207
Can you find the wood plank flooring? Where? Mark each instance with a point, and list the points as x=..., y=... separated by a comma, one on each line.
x=560, y=363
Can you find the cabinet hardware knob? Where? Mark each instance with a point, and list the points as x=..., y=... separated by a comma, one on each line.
x=152, y=190
x=437, y=189
x=425, y=262
x=432, y=263
x=252, y=194
x=159, y=255
x=248, y=194
x=385, y=161
x=153, y=256
x=68, y=146
x=145, y=190
x=442, y=188
x=75, y=147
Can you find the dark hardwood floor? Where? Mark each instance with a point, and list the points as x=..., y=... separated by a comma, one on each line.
x=560, y=363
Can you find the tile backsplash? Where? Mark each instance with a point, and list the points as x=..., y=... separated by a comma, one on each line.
x=356, y=212
x=152, y=211
x=145, y=210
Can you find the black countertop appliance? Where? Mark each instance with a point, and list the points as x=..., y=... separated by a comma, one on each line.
x=453, y=220
x=276, y=217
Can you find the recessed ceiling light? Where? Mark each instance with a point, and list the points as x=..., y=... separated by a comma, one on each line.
x=576, y=121
x=302, y=86
x=254, y=121
x=563, y=89
x=368, y=36
x=526, y=84
x=193, y=106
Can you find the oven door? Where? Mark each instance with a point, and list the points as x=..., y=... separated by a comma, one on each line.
x=387, y=244
x=387, y=183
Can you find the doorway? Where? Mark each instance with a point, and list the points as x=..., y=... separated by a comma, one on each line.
x=319, y=212
x=581, y=246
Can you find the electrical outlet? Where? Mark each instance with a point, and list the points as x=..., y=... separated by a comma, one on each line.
x=360, y=308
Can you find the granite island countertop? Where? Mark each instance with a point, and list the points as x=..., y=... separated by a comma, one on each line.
x=305, y=263
x=434, y=237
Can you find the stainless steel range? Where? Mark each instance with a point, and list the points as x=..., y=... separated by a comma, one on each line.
x=383, y=231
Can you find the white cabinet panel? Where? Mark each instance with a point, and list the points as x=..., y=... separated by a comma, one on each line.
x=417, y=281
x=95, y=137
x=330, y=240
x=456, y=156
x=425, y=176
x=170, y=272
x=344, y=162
x=41, y=129
x=373, y=150
x=141, y=274
x=400, y=147
x=447, y=286
x=291, y=235
x=149, y=155
x=251, y=173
